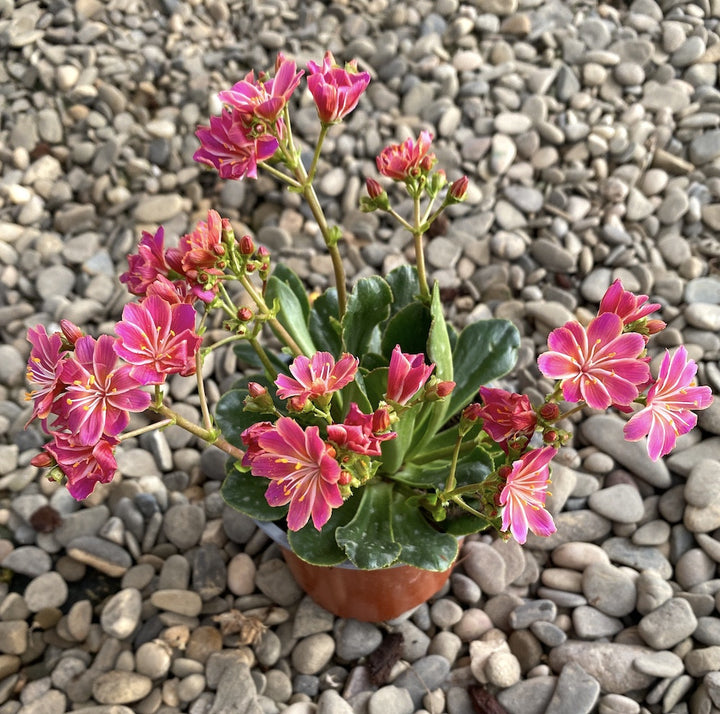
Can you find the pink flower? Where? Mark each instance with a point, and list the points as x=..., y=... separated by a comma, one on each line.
x=601, y=365
x=227, y=146
x=506, y=415
x=361, y=433
x=157, y=339
x=407, y=160
x=258, y=101
x=176, y=292
x=631, y=308
x=406, y=375
x=148, y=264
x=669, y=401
x=84, y=465
x=44, y=365
x=303, y=471
x=336, y=91
x=523, y=496
x=98, y=393
x=200, y=251
x=250, y=438
x=316, y=377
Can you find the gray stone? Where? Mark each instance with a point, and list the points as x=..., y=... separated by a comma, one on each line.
x=528, y=613
x=576, y=692
x=183, y=525
x=591, y=624
x=668, y=624
x=529, y=696
x=46, y=591
x=121, y=614
x=356, y=639
x=27, y=560
x=659, y=664
x=609, y=589
x=391, y=699
x=621, y=503
x=311, y=654
x=120, y=687
x=236, y=691
x=624, y=552
x=101, y=554
x=427, y=673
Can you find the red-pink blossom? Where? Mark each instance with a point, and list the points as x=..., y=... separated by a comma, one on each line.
x=303, y=471
x=406, y=375
x=506, y=415
x=200, y=251
x=630, y=307
x=157, y=339
x=227, y=146
x=336, y=90
x=43, y=369
x=316, y=377
x=84, y=465
x=148, y=264
x=177, y=291
x=258, y=101
x=524, y=493
x=600, y=365
x=407, y=160
x=98, y=392
x=250, y=439
x=671, y=398
x=359, y=432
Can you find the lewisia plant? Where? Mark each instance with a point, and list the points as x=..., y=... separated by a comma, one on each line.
x=376, y=432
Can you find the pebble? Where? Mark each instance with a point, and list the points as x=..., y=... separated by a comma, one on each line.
x=576, y=692
x=621, y=503
x=668, y=624
x=121, y=614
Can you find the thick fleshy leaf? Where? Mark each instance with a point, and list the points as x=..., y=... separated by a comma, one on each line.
x=245, y=352
x=290, y=278
x=485, y=350
x=319, y=547
x=408, y=328
x=231, y=418
x=464, y=523
x=367, y=307
x=324, y=323
x=246, y=493
x=368, y=538
x=422, y=545
x=403, y=282
x=394, y=450
x=472, y=468
x=291, y=314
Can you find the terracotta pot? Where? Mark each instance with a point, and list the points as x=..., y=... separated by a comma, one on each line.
x=367, y=595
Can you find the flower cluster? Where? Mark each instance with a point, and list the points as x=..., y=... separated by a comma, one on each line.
x=373, y=432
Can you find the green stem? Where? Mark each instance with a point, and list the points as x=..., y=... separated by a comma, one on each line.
x=145, y=429
x=569, y=412
x=470, y=509
x=451, y=481
x=419, y=253
x=270, y=371
x=224, y=341
x=207, y=420
x=289, y=180
x=316, y=155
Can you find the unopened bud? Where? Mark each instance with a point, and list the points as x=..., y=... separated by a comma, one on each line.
x=263, y=252
x=374, y=189
x=42, y=460
x=550, y=437
x=472, y=412
x=428, y=162
x=458, y=189
x=504, y=472
x=247, y=247
x=256, y=390
x=550, y=411
x=71, y=332
x=245, y=314
x=296, y=404
x=345, y=478
x=380, y=420
x=444, y=388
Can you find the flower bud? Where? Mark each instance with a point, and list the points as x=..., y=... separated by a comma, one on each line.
x=263, y=252
x=472, y=412
x=458, y=189
x=549, y=437
x=247, y=247
x=374, y=189
x=550, y=411
x=445, y=388
x=380, y=420
x=378, y=197
x=256, y=390
x=245, y=314
x=42, y=460
x=345, y=478
x=71, y=332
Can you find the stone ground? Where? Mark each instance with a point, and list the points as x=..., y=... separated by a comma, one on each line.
x=591, y=135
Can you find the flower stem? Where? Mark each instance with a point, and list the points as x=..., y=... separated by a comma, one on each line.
x=207, y=420
x=419, y=253
x=289, y=180
x=451, y=481
x=145, y=429
x=270, y=371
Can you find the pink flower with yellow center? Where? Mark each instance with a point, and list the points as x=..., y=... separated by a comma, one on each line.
x=303, y=471
x=407, y=160
x=630, y=307
x=98, y=393
x=506, y=415
x=157, y=339
x=362, y=433
x=671, y=398
x=148, y=264
x=406, y=375
x=523, y=496
x=44, y=364
x=316, y=377
x=263, y=101
x=336, y=91
x=600, y=365
x=84, y=465
x=227, y=146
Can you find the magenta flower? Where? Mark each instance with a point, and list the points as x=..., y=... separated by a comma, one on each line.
x=177, y=292
x=263, y=101
x=43, y=369
x=200, y=251
x=601, y=365
x=303, y=471
x=250, y=438
x=361, y=433
x=227, y=146
x=407, y=160
x=98, y=393
x=667, y=412
x=524, y=493
x=630, y=307
x=336, y=91
x=316, y=377
x=506, y=415
x=157, y=339
x=148, y=264
x=406, y=375
x=84, y=465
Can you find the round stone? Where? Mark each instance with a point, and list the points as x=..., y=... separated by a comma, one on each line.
x=46, y=591
x=121, y=614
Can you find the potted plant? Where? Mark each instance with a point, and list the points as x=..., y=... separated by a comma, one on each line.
x=365, y=426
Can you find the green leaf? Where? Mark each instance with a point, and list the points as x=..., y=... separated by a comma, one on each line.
x=291, y=315
x=466, y=523
x=472, y=468
x=291, y=279
x=368, y=305
x=485, y=350
x=376, y=384
x=230, y=417
x=394, y=450
x=368, y=538
x=403, y=282
x=319, y=547
x=245, y=352
x=408, y=328
x=422, y=545
x=246, y=493
x=324, y=323
x=438, y=345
